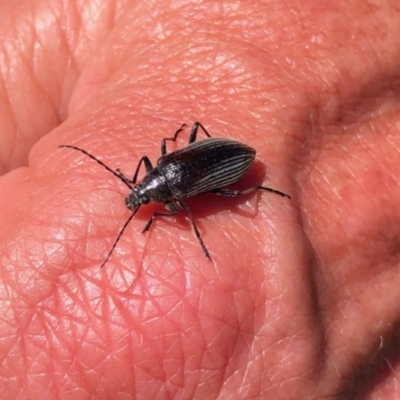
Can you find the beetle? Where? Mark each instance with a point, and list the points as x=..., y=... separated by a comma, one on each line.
x=205, y=166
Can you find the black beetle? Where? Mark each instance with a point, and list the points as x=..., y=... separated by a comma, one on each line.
x=207, y=166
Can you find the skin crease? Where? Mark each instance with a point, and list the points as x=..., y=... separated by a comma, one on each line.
x=302, y=299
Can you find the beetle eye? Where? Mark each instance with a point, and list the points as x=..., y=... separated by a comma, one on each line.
x=145, y=200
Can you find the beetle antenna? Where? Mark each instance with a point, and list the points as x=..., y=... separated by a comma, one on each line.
x=98, y=161
x=118, y=237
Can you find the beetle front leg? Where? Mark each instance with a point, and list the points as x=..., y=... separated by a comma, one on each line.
x=147, y=164
x=235, y=193
x=196, y=231
x=169, y=206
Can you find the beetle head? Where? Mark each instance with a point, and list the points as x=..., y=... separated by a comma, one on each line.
x=136, y=198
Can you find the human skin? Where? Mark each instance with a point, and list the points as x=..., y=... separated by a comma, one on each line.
x=301, y=300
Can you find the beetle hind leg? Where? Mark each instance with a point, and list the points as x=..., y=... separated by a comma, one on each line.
x=235, y=193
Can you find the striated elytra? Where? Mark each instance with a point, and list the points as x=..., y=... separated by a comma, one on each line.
x=206, y=166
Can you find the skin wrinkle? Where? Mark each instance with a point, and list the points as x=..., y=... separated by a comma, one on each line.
x=32, y=77
x=20, y=132
x=4, y=80
x=50, y=99
x=38, y=45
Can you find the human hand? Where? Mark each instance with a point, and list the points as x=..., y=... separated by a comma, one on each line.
x=301, y=299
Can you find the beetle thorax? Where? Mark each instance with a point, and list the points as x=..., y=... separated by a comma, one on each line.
x=154, y=187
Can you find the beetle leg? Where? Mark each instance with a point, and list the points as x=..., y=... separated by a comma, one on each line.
x=172, y=139
x=193, y=133
x=235, y=193
x=170, y=207
x=192, y=137
x=196, y=231
x=147, y=165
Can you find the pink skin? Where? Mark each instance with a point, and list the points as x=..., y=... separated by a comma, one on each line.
x=302, y=299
